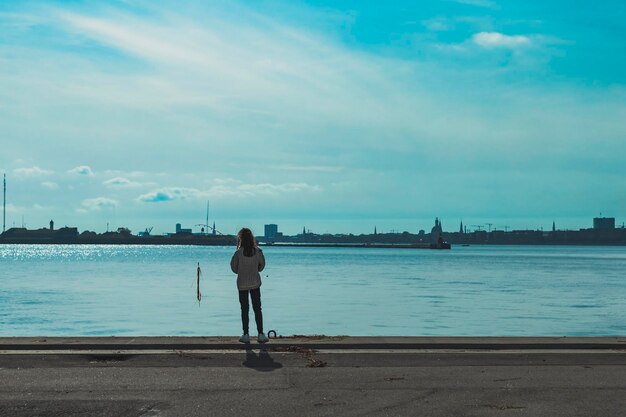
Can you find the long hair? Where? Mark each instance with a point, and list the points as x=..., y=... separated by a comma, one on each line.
x=246, y=240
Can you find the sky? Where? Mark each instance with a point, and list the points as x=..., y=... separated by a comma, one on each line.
x=337, y=116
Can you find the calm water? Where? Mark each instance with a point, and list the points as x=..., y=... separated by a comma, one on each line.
x=478, y=290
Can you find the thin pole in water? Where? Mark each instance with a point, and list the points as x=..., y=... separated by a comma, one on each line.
x=4, y=206
x=198, y=293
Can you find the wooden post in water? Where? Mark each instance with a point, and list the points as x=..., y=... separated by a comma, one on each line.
x=4, y=206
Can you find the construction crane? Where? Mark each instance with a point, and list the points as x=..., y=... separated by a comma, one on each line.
x=146, y=232
x=489, y=225
x=506, y=228
x=478, y=226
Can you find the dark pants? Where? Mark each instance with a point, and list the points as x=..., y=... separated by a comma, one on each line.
x=256, y=306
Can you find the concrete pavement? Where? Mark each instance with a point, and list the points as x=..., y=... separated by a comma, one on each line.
x=314, y=376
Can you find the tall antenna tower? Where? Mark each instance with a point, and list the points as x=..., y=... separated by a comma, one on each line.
x=4, y=206
x=205, y=226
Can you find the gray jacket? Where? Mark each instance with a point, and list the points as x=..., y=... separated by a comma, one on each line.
x=247, y=268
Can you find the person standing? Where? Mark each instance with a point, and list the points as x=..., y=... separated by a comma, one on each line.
x=247, y=262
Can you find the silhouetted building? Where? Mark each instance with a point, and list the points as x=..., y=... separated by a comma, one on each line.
x=271, y=230
x=51, y=225
x=179, y=229
x=604, y=223
x=436, y=232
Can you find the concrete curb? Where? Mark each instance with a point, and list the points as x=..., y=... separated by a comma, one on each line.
x=314, y=342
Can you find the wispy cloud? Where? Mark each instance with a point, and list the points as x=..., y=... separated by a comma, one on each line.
x=170, y=194
x=18, y=209
x=500, y=40
x=99, y=203
x=50, y=185
x=226, y=188
x=489, y=4
x=256, y=67
x=121, y=182
x=236, y=188
x=34, y=171
x=438, y=24
x=243, y=190
x=81, y=170
x=271, y=189
x=307, y=168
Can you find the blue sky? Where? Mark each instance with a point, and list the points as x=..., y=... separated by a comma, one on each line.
x=337, y=116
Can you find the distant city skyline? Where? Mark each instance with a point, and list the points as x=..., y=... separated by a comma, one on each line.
x=355, y=225
x=337, y=116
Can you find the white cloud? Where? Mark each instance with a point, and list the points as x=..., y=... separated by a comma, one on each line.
x=81, y=170
x=254, y=68
x=34, y=171
x=50, y=185
x=226, y=181
x=226, y=188
x=499, y=40
x=99, y=203
x=438, y=24
x=234, y=188
x=130, y=174
x=169, y=194
x=12, y=208
x=121, y=182
x=273, y=189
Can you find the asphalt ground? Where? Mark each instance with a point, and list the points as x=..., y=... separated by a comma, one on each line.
x=313, y=377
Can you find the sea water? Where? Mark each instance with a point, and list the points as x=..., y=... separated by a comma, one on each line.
x=62, y=290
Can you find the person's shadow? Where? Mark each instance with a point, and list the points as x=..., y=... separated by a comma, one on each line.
x=262, y=362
